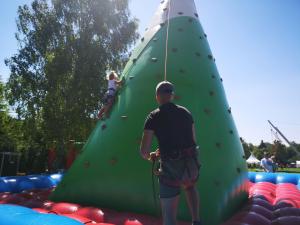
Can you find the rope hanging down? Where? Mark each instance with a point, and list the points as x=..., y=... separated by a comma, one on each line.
x=165, y=78
x=167, y=39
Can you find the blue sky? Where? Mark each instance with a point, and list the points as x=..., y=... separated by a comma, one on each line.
x=257, y=47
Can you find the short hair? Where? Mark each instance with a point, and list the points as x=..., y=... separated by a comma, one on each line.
x=165, y=87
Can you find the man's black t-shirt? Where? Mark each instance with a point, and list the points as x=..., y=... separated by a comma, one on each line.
x=172, y=125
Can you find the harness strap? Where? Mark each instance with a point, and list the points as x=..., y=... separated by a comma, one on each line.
x=172, y=176
x=179, y=154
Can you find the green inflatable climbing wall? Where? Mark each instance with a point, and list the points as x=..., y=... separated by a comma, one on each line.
x=110, y=172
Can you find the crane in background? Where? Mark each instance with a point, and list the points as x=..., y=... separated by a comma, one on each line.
x=281, y=134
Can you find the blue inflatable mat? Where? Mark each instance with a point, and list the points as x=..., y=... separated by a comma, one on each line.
x=17, y=215
x=275, y=178
x=21, y=183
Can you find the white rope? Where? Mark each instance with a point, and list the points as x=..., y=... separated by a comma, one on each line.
x=167, y=39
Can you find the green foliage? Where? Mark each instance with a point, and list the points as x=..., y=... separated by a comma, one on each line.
x=2, y=102
x=247, y=148
x=282, y=153
x=6, y=142
x=58, y=76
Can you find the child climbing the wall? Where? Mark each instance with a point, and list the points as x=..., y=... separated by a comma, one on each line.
x=113, y=84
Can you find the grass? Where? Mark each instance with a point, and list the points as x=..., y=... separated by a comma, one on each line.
x=283, y=170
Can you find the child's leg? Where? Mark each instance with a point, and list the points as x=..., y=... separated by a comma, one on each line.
x=101, y=112
x=103, y=109
x=109, y=105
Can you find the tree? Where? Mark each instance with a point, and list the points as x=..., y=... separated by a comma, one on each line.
x=246, y=148
x=262, y=145
x=280, y=152
x=3, y=106
x=6, y=142
x=58, y=76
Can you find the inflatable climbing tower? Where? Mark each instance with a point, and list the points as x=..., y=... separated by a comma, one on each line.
x=110, y=172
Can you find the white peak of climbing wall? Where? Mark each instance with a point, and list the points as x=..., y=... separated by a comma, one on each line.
x=179, y=8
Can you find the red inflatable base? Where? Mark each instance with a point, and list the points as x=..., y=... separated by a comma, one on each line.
x=268, y=204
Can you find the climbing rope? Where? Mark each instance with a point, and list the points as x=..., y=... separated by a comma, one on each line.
x=165, y=78
x=154, y=190
x=167, y=39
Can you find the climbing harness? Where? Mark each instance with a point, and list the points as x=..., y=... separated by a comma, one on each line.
x=179, y=167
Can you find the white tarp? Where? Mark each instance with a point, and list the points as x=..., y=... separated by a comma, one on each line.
x=298, y=164
x=252, y=160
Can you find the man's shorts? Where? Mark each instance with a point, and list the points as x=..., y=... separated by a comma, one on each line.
x=178, y=174
x=166, y=191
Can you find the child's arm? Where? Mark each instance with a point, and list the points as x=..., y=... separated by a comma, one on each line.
x=120, y=81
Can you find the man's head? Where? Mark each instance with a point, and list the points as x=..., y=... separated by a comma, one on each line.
x=164, y=92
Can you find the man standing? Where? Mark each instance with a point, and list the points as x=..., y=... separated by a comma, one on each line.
x=266, y=163
x=174, y=129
